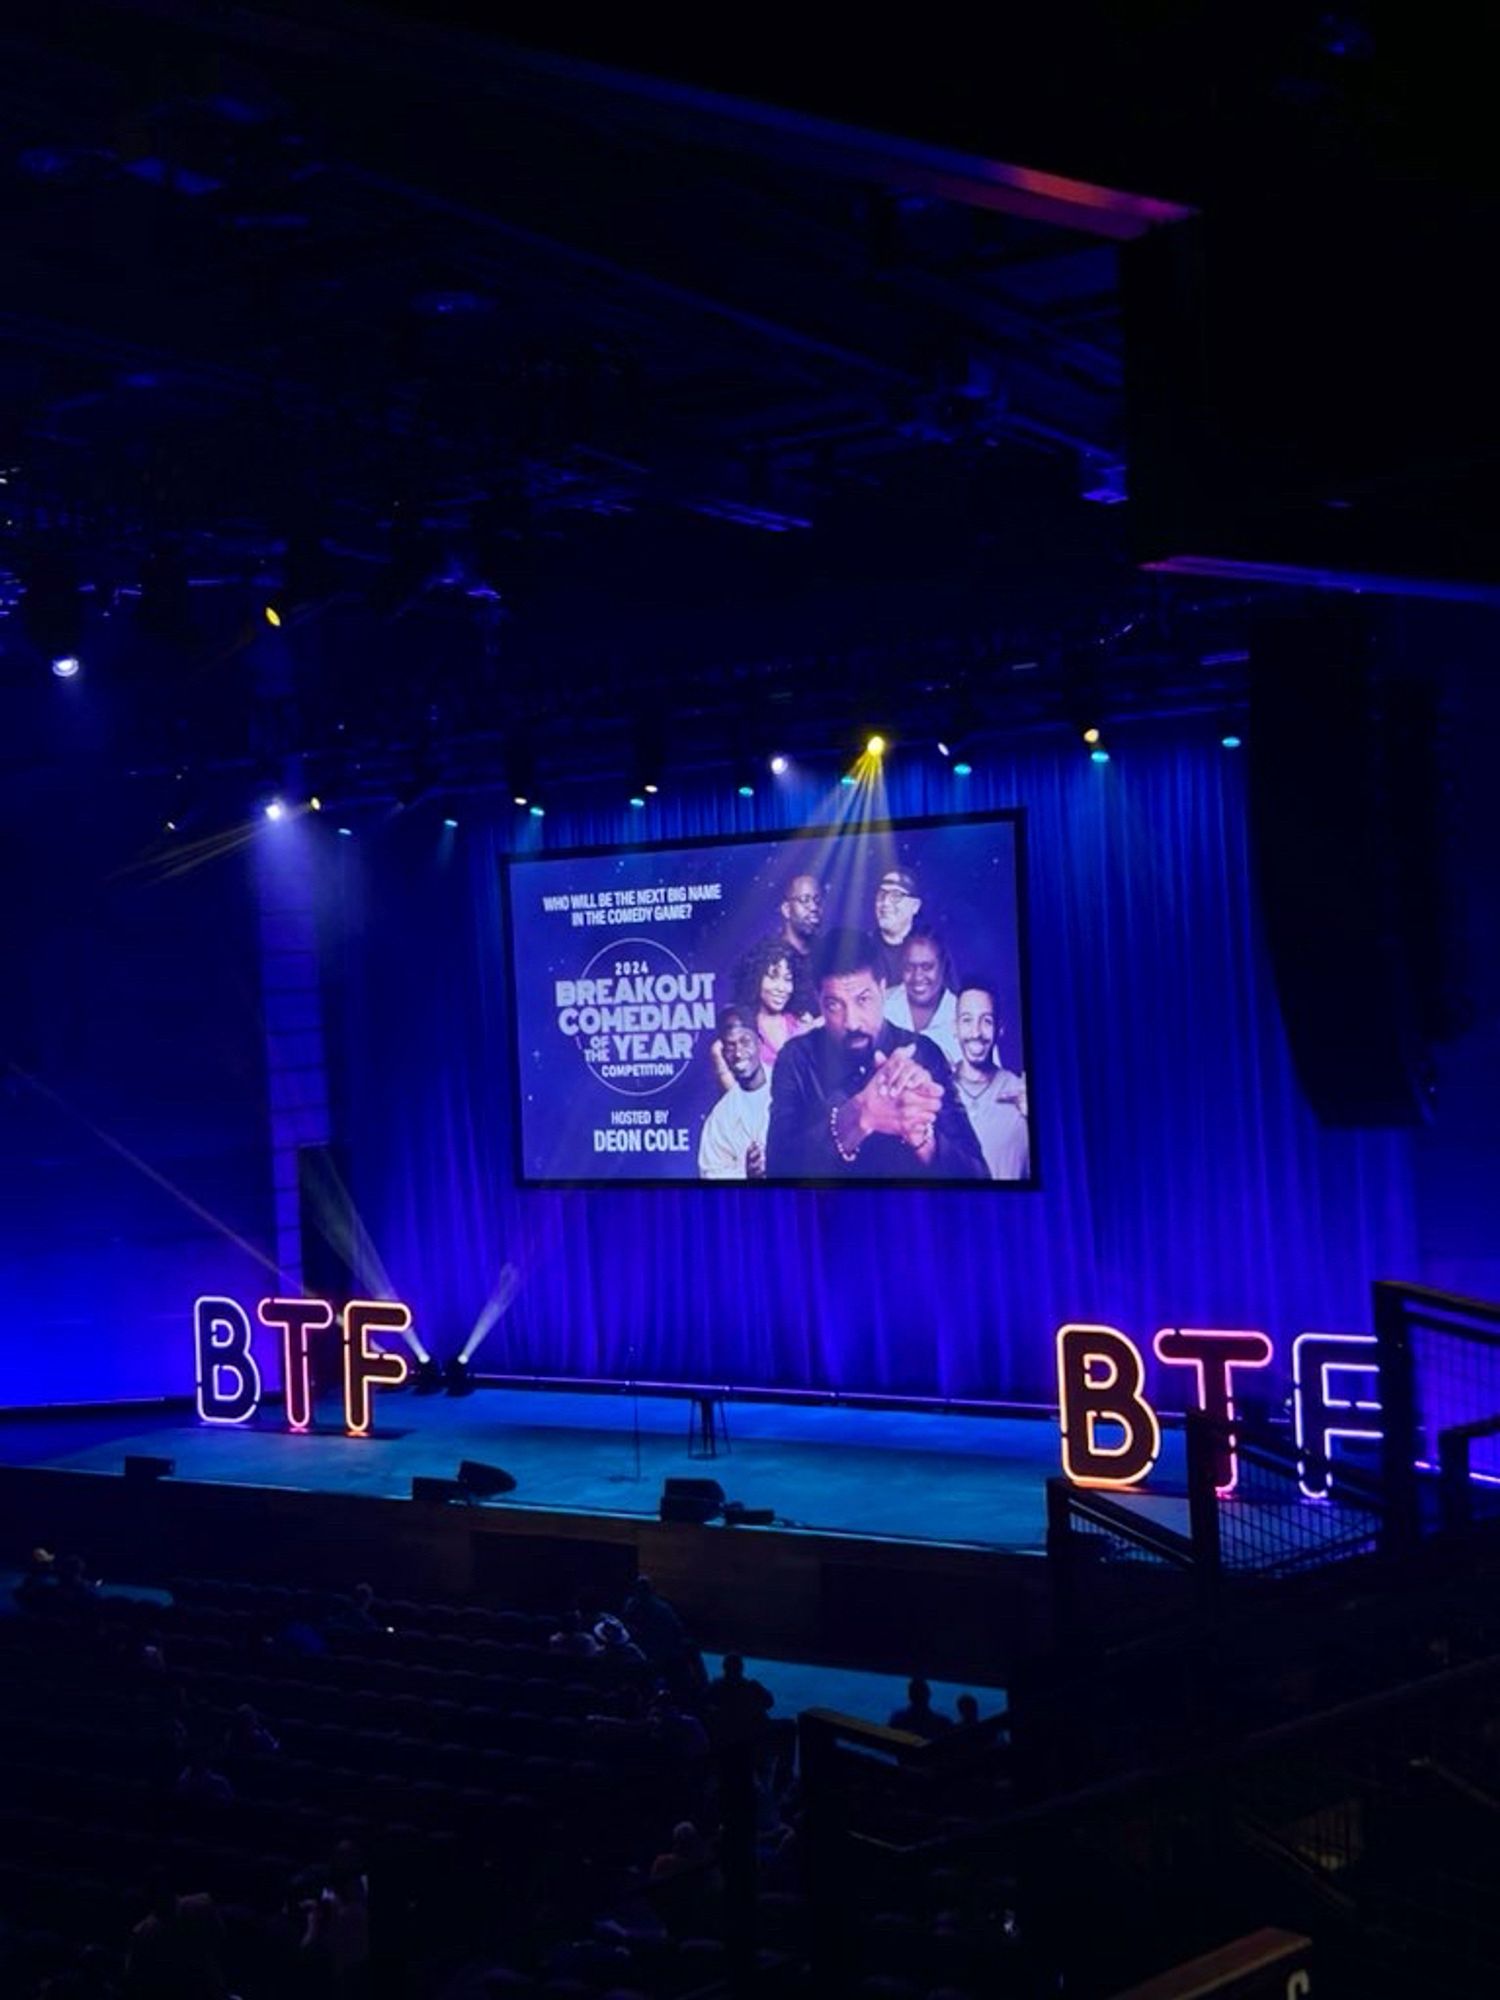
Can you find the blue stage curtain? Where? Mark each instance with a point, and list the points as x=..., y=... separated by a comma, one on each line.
x=1185, y=1180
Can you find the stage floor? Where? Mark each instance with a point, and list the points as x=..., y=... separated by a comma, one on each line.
x=898, y=1475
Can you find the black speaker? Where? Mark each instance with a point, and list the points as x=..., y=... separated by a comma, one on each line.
x=485, y=1480
x=143, y=1469
x=326, y=1224
x=440, y=1492
x=695, y=1500
x=1343, y=816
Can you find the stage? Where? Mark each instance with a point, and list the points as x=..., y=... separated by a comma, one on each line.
x=900, y=1520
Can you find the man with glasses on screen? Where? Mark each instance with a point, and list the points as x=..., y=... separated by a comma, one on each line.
x=898, y=898
x=733, y=1143
x=801, y=920
x=857, y=1099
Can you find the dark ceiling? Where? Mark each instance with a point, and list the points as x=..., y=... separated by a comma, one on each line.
x=540, y=402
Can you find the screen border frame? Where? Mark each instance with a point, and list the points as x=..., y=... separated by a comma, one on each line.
x=1014, y=816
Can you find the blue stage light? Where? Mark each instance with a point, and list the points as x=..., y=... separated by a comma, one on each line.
x=66, y=666
x=963, y=769
x=637, y=801
x=450, y=823
x=746, y=791
x=1099, y=756
x=1231, y=741
x=848, y=778
x=537, y=812
x=346, y=832
x=275, y=809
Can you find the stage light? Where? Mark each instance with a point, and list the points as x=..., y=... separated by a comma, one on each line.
x=779, y=765
x=963, y=769
x=67, y=666
x=520, y=799
x=458, y=1377
x=273, y=616
x=274, y=809
x=848, y=779
x=746, y=791
x=1091, y=734
x=637, y=800
x=169, y=826
x=651, y=790
x=428, y=1379
x=943, y=750
x=875, y=746
x=450, y=824
x=537, y=812
x=346, y=832
x=1230, y=740
x=1099, y=755
x=315, y=804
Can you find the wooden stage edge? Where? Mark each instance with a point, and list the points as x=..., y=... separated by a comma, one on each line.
x=900, y=1607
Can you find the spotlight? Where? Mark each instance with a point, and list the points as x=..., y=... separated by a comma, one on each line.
x=458, y=1377
x=169, y=826
x=537, y=812
x=427, y=1379
x=520, y=799
x=346, y=833
x=779, y=765
x=1231, y=740
x=275, y=809
x=315, y=804
x=1091, y=734
x=746, y=791
x=848, y=778
x=450, y=824
x=963, y=769
x=875, y=746
x=651, y=790
x=943, y=750
x=637, y=799
x=272, y=616
x=66, y=666
x=1099, y=755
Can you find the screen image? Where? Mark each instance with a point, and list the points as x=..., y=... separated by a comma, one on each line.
x=820, y=1008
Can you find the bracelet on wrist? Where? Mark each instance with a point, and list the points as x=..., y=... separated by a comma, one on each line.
x=833, y=1132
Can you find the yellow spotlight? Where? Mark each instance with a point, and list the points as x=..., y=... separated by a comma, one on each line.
x=315, y=804
x=875, y=747
x=273, y=616
x=1091, y=735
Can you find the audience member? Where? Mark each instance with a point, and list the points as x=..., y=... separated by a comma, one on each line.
x=919, y=1717
x=176, y=1949
x=736, y=1708
x=968, y=1711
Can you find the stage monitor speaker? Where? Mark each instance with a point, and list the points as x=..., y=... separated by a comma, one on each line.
x=1343, y=817
x=142, y=1469
x=325, y=1223
x=693, y=1500
x=485, y=1480
x=439, y=1492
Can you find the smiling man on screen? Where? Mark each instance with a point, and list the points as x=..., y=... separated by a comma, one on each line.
x=858, y=1099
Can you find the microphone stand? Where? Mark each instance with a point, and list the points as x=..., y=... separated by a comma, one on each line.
x=635, y=1410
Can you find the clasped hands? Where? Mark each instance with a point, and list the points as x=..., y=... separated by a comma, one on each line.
x=902, y=1099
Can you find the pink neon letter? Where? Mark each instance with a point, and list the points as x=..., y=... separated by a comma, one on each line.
x=228, y=1379
x=365, y=1366
x=1215, y=1354
x=297, y=1318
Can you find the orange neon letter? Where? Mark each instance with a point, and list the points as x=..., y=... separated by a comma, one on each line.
x=364, y=1365
x=1100, y=1377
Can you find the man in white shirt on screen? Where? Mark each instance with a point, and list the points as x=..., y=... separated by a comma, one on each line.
x=993, y=1097
x=733, y=1145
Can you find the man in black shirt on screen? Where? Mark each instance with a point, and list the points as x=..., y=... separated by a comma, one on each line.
x=857, y=1099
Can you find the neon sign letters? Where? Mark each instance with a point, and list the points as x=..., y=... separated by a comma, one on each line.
x=1111, y=1434
x=229, y=1380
